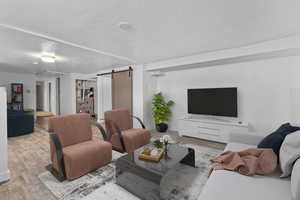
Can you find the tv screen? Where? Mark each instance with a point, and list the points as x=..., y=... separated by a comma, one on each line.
x=213, y=101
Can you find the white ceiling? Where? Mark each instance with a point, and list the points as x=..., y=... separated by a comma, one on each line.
x=18, y=52
x=161, y=30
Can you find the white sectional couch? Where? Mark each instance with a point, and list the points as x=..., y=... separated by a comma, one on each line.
x=227, y=185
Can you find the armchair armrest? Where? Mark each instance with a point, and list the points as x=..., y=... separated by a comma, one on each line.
x=140, y=121
x=59, y=154
x=250, y=138
x=117, y=130
x=98, y=125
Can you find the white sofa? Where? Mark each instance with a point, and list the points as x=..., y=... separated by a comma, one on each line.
x=227, y=185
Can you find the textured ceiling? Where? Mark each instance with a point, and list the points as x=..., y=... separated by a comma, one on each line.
x=160, y=30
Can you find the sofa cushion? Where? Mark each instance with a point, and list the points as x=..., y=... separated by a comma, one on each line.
x=289, y=153
x=224, y=184
x=272, y=141
x=84, y=157
x=275, y=139
x=231, y=185
x=295, y=181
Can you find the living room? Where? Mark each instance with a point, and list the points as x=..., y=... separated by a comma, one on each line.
x=146, y=100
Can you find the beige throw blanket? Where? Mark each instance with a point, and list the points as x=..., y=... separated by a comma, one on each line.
x=247, y=162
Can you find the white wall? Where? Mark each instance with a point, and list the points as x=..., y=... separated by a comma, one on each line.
x=265, y=89
x=67, y=95
x=28, y=80
x=4, y=172
x=137, y=93
x=104, y=95
x=150, y=88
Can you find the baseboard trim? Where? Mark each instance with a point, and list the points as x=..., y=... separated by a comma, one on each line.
x=4, y=176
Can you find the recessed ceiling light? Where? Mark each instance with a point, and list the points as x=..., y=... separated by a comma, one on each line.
x=35, y=63
x=48, y=58
x=125, y=26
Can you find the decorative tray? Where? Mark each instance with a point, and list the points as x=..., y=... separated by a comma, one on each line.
x=152, y=154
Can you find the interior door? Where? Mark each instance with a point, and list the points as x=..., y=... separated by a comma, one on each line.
x=39, y=97
x=50, y=97
x=122, y=90
x=58, y=96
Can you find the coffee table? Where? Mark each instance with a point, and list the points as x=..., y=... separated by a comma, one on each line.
x=144, y=178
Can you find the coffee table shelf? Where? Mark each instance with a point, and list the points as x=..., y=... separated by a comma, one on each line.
x=143, y=178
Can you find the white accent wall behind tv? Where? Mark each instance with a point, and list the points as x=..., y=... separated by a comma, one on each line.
x=264, y=89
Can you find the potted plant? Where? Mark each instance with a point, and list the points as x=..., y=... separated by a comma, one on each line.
x=161, y=111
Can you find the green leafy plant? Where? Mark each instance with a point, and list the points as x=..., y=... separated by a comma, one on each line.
x=161, y=109
x=158, y=144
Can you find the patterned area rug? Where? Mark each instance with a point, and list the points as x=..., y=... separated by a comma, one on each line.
x=184, y=182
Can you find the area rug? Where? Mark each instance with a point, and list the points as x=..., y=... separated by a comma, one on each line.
x=184, y=182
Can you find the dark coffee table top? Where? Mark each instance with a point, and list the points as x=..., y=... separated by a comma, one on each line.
x=174, y=155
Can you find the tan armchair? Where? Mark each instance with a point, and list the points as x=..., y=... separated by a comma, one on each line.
x=121, y=134
x=73, y=152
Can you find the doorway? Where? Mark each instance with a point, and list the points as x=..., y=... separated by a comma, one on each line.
x=87, y=97
x=45, y=102
x=39, y=96
x=58, y=96
x=49, y=97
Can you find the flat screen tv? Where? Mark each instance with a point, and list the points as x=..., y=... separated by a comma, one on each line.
x=213, y=101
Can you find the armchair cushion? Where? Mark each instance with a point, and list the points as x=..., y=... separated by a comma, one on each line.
x=119, y=116
x=133, y=139
x=71, y=129
x=84, y=157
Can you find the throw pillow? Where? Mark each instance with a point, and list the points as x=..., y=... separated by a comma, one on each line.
x=275, y=139
x=289, y=153
x=295, y=181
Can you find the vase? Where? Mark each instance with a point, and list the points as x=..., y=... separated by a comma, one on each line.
x=162, y=127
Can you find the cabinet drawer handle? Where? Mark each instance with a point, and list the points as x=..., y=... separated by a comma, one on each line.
x=208, y=128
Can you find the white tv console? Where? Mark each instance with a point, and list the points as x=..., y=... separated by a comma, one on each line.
x=210, y=129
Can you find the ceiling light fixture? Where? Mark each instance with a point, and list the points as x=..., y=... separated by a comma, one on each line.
x=35, y=63
x=125, y=26
x=48, y=58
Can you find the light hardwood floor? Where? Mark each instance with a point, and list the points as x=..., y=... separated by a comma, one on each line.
x=28, y=155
